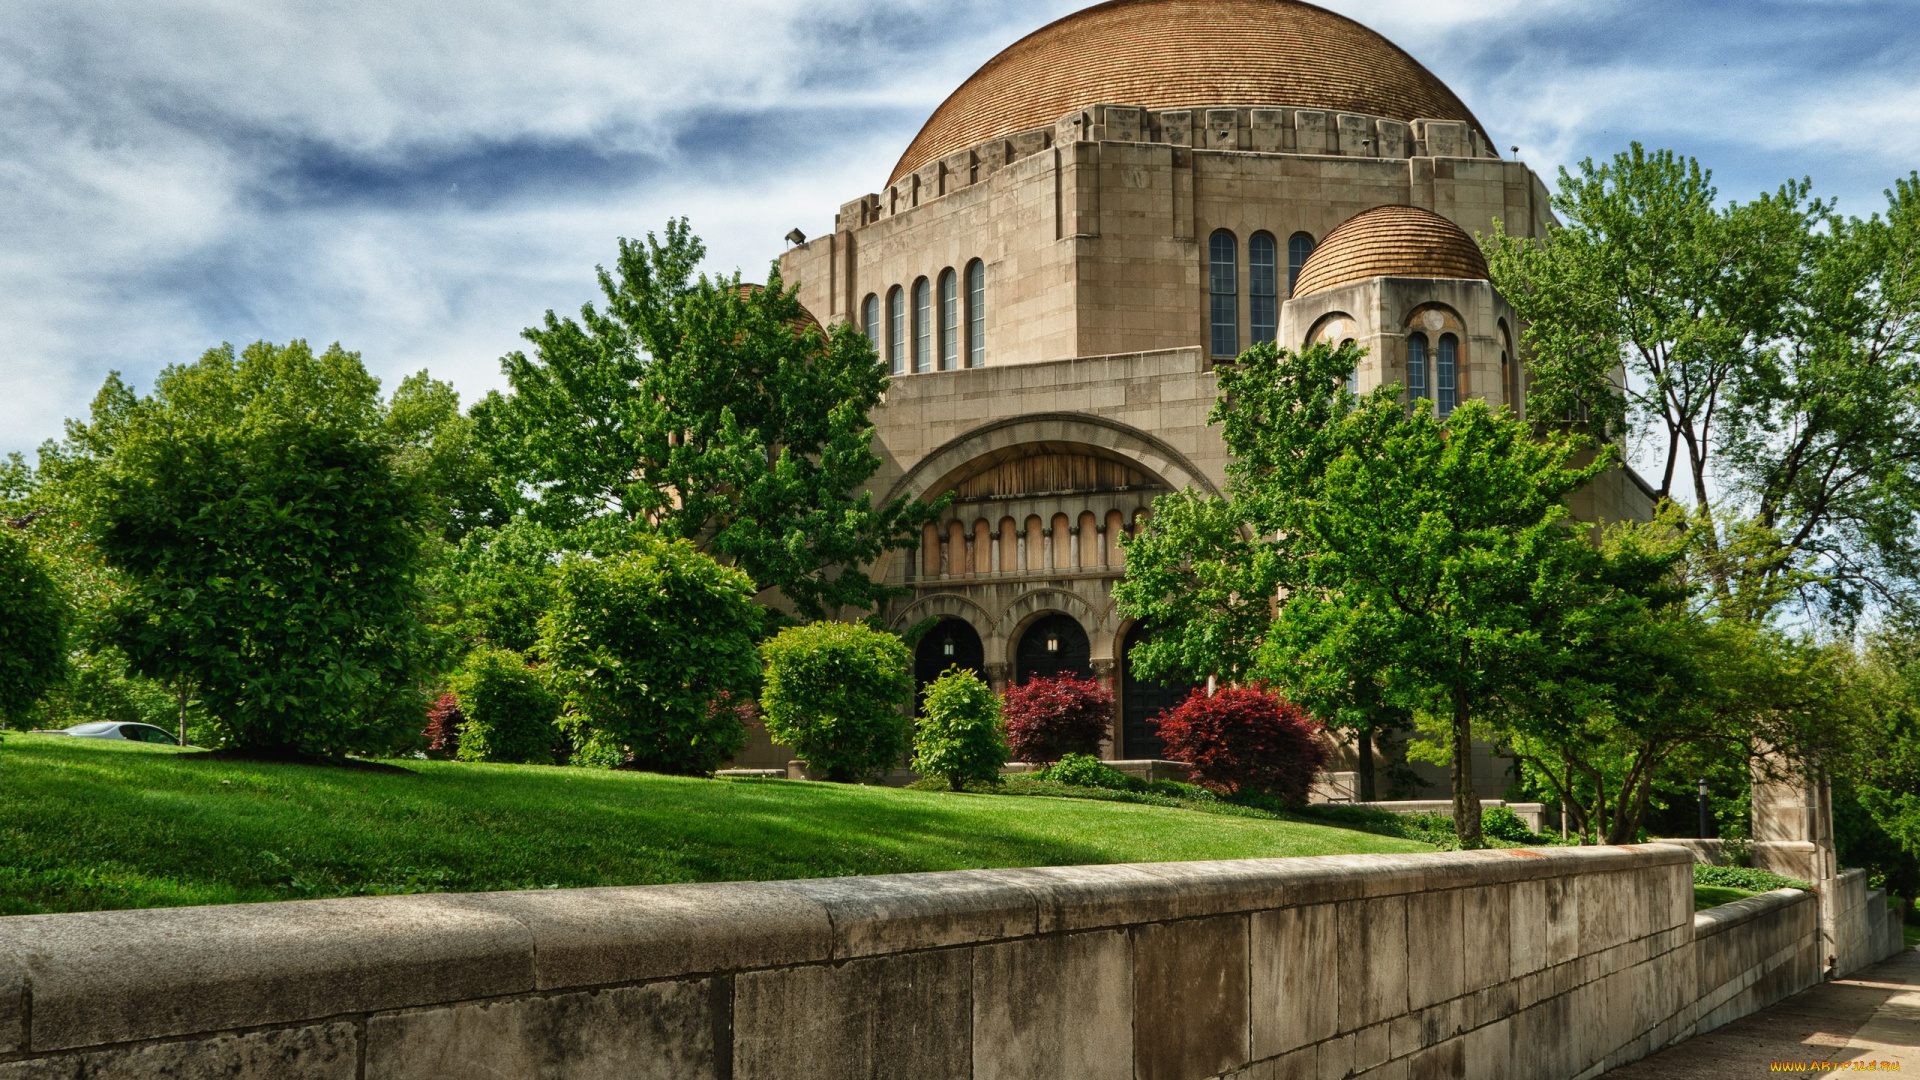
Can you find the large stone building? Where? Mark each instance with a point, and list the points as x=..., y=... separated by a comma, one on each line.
x=1104, y=212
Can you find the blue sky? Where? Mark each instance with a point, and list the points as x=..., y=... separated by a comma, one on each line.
x=420, y=180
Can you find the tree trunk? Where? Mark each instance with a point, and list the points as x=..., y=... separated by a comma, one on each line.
x=1466, y=804
x=183, y=710
x=1363, y=765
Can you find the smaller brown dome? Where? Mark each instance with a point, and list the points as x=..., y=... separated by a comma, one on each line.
x=1391, y=241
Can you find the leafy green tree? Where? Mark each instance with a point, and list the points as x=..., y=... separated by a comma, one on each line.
x=1431, y=558
x=1770, y=352
x=712, y=412
x=437, y=443
x=961, y=736
x=509, y=712
x=835, y=692
x=267, y=548
x=34, y=618
x=646, y=642
x=495, y=584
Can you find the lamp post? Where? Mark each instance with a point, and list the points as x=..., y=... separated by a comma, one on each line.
x=1704, y=833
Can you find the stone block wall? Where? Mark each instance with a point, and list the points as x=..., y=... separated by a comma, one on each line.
x=1531, y=963
x=1754, y=952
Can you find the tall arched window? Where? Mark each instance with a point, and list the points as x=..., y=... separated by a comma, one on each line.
x=870, y=320
x=1417, y=366
x=922, y=326
x=976, y=314
x=1223, y=284
x=897, y=330
x=1446, y=370
x=949, y=320
x=1263, y=287
x=1299, y=246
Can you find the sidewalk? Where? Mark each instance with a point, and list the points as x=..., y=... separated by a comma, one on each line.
x=1871, y=1015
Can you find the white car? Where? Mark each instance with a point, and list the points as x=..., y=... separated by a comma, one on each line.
x=103, y=729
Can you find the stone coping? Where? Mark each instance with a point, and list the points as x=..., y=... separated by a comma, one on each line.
x=96, y=978
x=1726, y=916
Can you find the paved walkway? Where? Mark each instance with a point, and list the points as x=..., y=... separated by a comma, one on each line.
x=1870, y=1016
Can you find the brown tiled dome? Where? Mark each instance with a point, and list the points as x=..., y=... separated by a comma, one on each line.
x=1391, y=241
x=1171, y=54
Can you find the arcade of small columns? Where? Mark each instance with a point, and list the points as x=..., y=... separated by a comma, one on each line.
x=1046, y=544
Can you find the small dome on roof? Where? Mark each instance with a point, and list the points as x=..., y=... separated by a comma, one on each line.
x=1391, y=241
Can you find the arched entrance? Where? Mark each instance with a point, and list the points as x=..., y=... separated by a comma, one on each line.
x=1141, y=699
x=1053, y=644
x=951, y=641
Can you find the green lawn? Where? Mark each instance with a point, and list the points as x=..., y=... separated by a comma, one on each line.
x=87, y=824
x=1706, y=896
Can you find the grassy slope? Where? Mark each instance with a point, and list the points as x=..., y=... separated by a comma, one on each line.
x=86, y=824
x=1706, y=896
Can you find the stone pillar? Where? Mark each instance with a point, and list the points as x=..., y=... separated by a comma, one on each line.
x=1073, y=546
x=972, y=562
x=1793, y=835
x=993, y=557
x=1106, y=673
x=1046, y=541
x=1020, y=549
x=1106, y=558
x=999, y=676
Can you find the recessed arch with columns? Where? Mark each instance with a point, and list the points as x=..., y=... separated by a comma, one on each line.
x=952, y=460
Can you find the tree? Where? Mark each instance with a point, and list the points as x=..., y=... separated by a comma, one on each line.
x=1245, y=739
x=1432, y=557
x=268, y=547
x=1772, y=349
x=712, y=412
x=834, y=693
x=34, y=618
x=508, y=712
x=961, y=736
x=1050, y=717
x=645, y=641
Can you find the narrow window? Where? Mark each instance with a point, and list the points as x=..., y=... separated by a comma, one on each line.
x=897, y=330
x=949, y=320
x=1446, y=385
x=1417, y=366
x=922, y=326
x=976, y=314
x=1298, y=248
x=870, y=320
x=1263, y=287
x=1223, y=283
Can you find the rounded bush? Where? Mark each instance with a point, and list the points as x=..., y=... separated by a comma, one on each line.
x=1052, y=717
x=1085, y=770
x=1245, y=739
x=1502, y=823
x=509, y=711
x=961, y=736
x=833, y=692
x=644, y=641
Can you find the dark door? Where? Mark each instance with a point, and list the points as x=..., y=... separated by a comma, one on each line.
x=950, y=642
x=1140, y=700
x=1053, y=645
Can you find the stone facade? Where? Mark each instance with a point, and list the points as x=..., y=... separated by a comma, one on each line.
x=1054, y=300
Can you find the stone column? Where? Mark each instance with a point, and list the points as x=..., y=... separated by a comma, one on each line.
x=1106, y=558
x=1793, y=835
x=1020, y=549
x=1046, y=541
x=1106, y=673
x=999, y=676
x=993, y=554
x=1073, y=546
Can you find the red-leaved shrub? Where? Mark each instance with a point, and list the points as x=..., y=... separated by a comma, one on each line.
x=1050, y=717
x=1246, y=739
x=443, y=726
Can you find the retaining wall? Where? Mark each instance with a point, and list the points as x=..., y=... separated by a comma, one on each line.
x=1499, y=964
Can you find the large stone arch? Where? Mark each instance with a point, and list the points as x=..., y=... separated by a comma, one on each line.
x=1035, y=603
x=948, y=463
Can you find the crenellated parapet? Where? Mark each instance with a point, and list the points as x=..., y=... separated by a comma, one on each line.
x=1239, y=129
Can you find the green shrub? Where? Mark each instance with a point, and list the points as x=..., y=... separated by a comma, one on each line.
x=1744, y=877
x=509, y=712
x=961, y=736
x=833, y=692
x=643, y=642
x=1085, y=770
x=1501, y=823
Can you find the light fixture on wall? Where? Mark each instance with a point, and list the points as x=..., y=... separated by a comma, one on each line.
x=946, y=647
x=1053, y=642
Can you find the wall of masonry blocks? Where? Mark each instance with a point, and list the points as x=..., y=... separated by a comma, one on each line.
x=1535, y=963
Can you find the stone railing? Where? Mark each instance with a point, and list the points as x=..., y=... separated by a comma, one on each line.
x=1528, y=963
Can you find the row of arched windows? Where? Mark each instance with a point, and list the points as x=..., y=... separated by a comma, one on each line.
x=914, y=349
x=1436, y=376
x=1263, y=286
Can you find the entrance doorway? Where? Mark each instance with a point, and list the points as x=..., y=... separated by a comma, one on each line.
x=1054, y=644
x=1142, y=699
x=950, y=642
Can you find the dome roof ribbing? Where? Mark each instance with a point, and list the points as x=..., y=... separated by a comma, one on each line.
x=1172, y=54
x=1391, y=241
